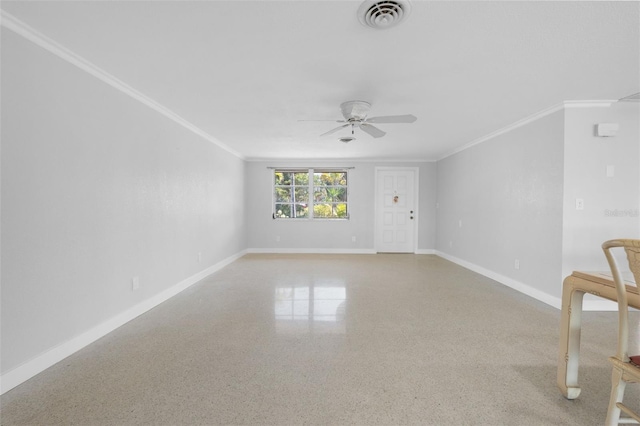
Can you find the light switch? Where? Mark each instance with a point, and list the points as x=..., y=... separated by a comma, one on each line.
x=610, y=170
x=579, y=204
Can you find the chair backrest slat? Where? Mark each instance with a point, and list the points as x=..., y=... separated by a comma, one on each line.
x=632, y=250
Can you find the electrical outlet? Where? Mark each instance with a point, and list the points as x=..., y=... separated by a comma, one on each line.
x=199, y=256
x=277, y=238
x=353, y=239
x=135, y=283
x=516, y=264
x=579, y=204
x=460, y=223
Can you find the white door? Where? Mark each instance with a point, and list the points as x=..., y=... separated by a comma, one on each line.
x=396, y=203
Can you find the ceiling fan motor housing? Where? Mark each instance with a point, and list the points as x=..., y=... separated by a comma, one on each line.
x=357, y=110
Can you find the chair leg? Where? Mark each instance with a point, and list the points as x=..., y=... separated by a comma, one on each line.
x=617, y=393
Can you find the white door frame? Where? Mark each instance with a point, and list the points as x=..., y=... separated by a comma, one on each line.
x=416, y=191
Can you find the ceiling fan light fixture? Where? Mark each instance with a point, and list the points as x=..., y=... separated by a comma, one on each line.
x=381, y=14
x=347, y=139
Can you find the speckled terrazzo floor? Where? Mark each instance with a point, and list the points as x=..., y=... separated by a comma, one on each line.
x=329, y=340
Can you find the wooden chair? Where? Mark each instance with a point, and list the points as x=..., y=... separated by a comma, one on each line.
x=626, y=369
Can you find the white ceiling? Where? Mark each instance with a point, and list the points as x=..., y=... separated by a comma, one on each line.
x=245, y=72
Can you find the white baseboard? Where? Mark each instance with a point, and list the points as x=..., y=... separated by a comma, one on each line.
x=310, y=251
x=556, y=302
x=599, y=305
x=54, y=355
x=324, y=251
x=425, y=251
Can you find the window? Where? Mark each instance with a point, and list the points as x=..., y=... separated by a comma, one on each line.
x=310, y=194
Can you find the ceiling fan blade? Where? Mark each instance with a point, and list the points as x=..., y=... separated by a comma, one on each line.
x=372, y=130
x=334, y=121
x=407, y=118
x=335, y=130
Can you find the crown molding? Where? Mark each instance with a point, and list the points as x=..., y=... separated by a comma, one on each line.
x=589, y=104
x=12, y=23
x=530, y=119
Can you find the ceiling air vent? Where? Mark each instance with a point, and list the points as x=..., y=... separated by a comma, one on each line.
x=383, y=14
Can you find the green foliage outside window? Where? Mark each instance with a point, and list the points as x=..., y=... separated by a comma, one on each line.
x=292, y=194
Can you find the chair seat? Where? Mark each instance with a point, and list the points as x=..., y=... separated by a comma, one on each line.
x=635, y=360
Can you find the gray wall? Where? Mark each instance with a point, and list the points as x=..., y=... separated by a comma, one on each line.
x=515, y=197
x=98, y=189
x=586, y=159
x=332, y=235
x=507, y=195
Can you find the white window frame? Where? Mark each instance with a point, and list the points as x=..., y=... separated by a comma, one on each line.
x=310, y=201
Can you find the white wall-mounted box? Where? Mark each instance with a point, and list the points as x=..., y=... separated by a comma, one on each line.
x=607, y=129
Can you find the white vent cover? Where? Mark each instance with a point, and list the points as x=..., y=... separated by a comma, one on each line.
x=383, y=14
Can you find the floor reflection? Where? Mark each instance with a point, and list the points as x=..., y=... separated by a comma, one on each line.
x=317, y=308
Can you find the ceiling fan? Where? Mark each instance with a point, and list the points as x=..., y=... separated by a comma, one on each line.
x=355, y=115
